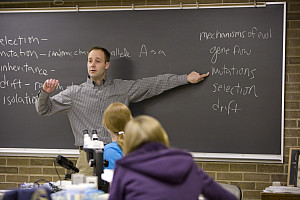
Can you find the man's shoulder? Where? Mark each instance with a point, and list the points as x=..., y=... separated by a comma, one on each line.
x=118, y=82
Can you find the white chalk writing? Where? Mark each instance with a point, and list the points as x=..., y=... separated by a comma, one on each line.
x=18, y=99
x=253, y=33
x=20, y=40
x=233, y=71
x=23, y=68
x=144, y=51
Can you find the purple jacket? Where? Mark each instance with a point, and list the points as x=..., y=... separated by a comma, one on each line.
x=155, y=172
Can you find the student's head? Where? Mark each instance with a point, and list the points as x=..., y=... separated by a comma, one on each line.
x=98, y=63
x=141, y=130
x=115, y=118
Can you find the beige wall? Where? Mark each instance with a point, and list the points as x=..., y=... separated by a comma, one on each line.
x=251, y=177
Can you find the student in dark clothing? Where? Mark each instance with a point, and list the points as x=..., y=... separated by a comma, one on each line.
x=152, y=170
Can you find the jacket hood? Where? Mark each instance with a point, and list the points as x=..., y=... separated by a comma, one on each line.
x=156, y=160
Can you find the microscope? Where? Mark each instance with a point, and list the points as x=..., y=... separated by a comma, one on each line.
x=66, y=163
x=94, y=149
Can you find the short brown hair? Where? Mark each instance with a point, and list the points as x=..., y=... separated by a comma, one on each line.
x=106, y=53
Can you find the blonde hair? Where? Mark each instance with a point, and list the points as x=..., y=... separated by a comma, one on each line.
x=115, y=118
x=141, y=130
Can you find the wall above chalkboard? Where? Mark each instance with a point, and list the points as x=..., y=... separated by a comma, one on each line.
x=236, y=113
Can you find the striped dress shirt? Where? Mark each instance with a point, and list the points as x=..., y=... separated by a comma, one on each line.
x=85, y=104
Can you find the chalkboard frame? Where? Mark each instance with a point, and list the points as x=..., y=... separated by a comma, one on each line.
x=196, y=155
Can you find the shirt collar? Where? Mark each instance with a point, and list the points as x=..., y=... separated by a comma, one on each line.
x=93, y=84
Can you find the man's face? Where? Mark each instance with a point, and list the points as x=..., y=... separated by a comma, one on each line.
x=96, y=65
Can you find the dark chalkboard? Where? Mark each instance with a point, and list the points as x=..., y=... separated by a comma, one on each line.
x=237, y=110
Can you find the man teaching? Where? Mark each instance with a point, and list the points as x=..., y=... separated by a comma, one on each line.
x=85, y=104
